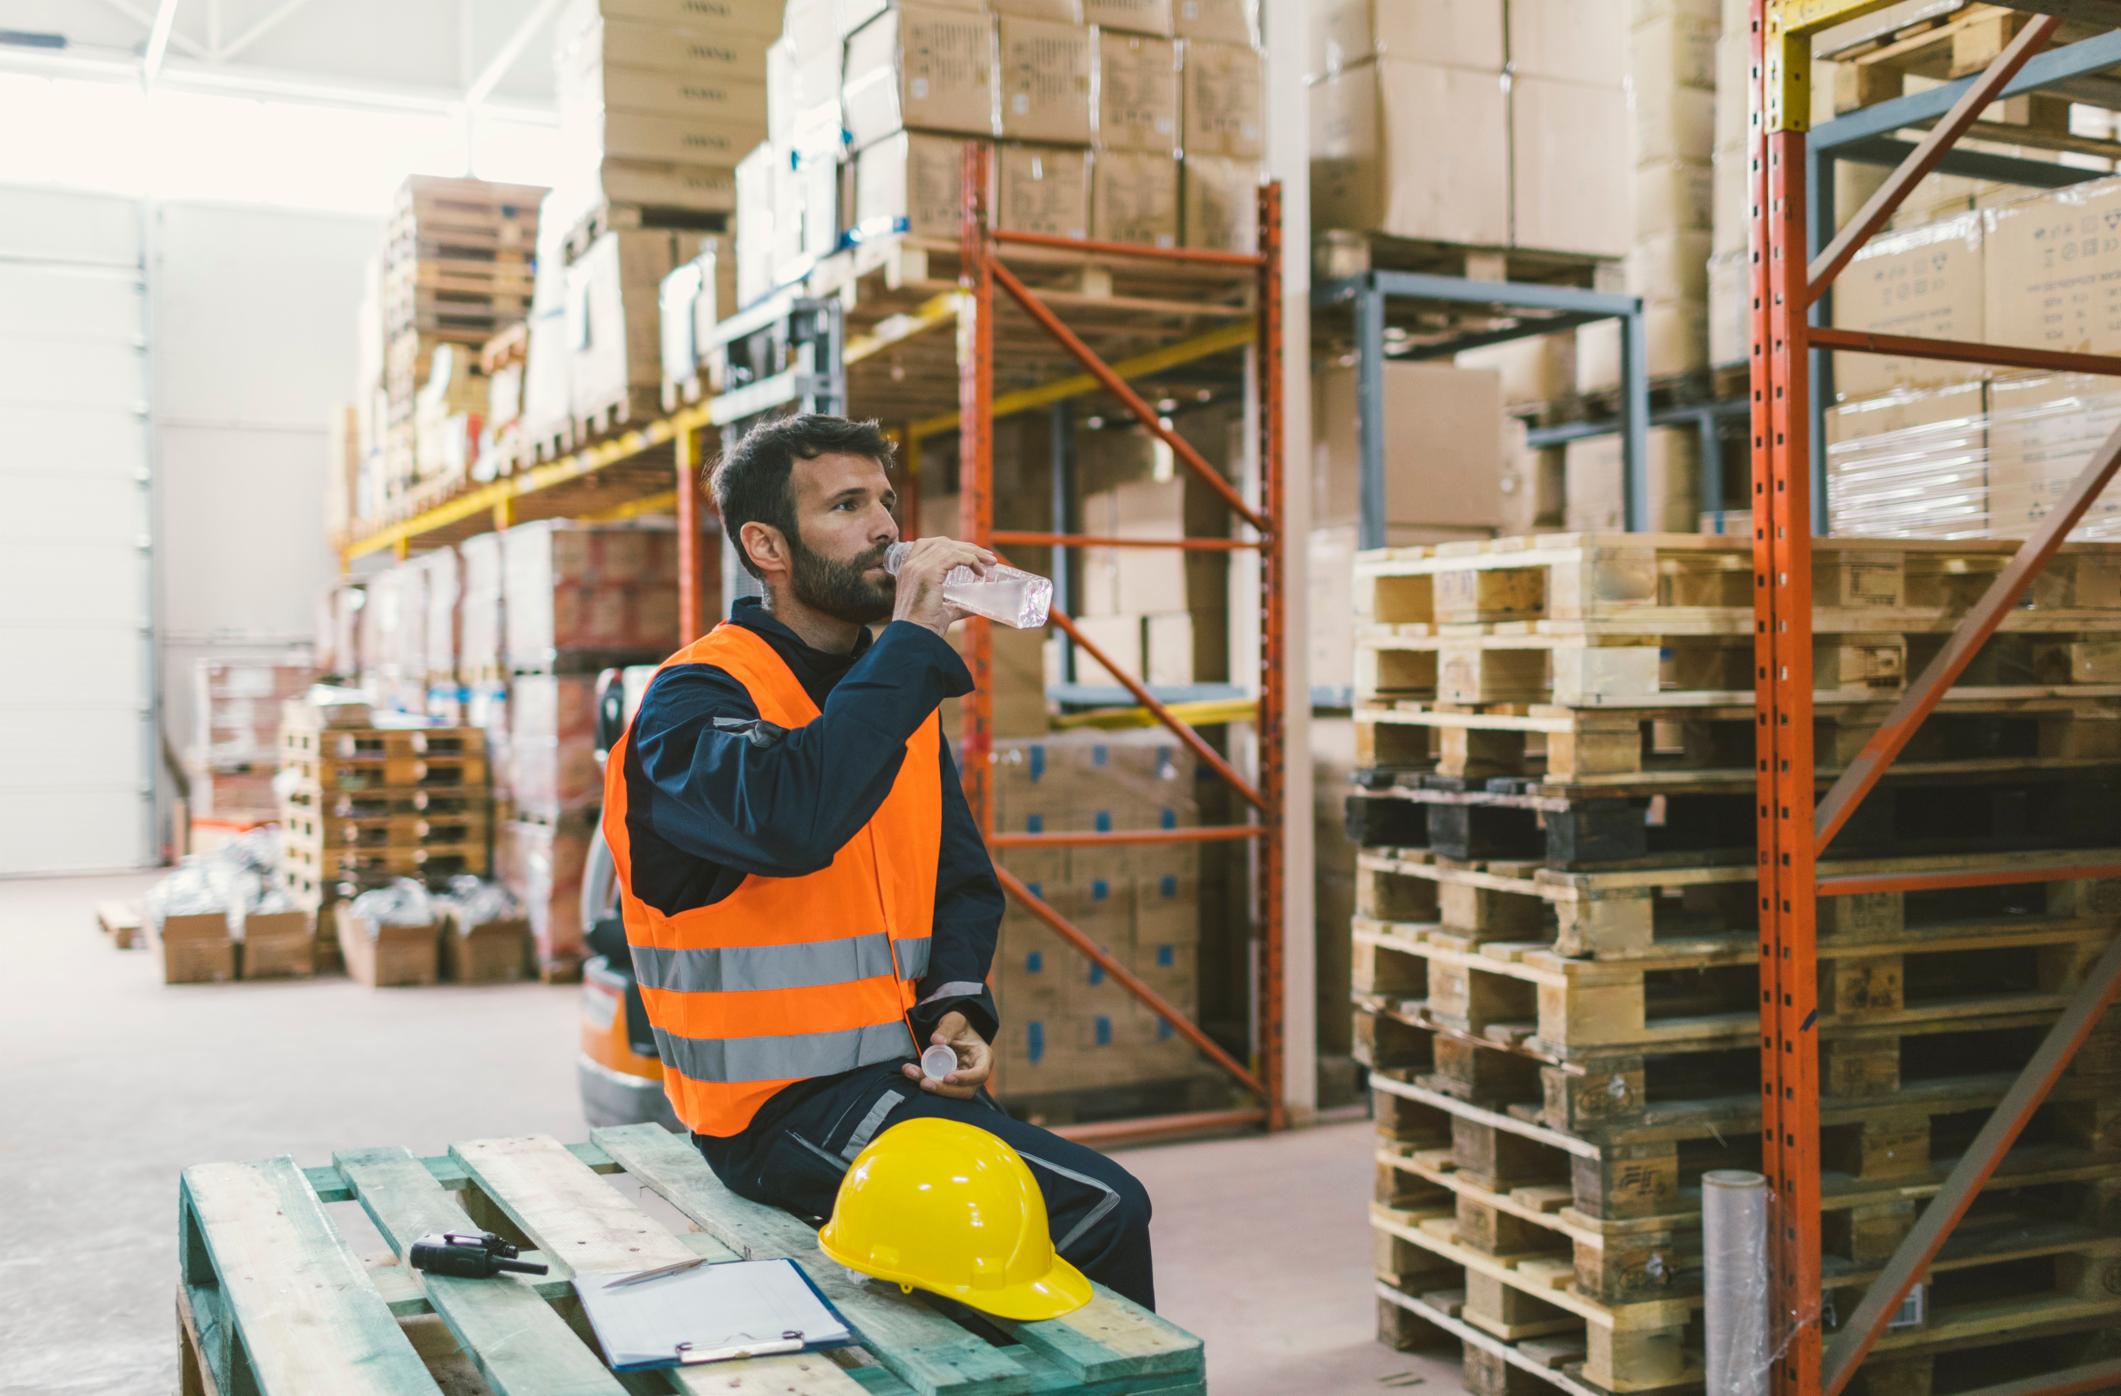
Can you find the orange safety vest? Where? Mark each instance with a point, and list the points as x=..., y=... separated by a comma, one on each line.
x=786, y=978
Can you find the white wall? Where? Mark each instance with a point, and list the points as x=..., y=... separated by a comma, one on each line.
x=253, y=353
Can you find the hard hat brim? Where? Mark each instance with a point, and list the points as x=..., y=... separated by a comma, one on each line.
x=1061, y=1290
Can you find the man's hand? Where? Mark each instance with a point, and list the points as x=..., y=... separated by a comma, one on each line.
x=920, y=581
x=975, y=1059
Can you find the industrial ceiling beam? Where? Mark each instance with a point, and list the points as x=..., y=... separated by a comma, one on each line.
x=157, y=42
x=505, y=56
x=147, y=21
x=264, y=25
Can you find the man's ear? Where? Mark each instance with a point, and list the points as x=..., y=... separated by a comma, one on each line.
x=765, y=546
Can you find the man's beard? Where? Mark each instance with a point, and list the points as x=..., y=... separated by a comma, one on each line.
x=841, y=589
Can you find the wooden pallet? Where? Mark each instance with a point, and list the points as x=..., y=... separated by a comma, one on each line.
x=1618, y=914
x=1659, y=585
x=1338, y=253
x=374, y=864
x=1989, y=807
x=388, y=772
x=1552, y=751
x=381, y=831
x=1705, y=997
x=1942, y=42
x=271, y=1298
x=637, y=406
x=380, y=743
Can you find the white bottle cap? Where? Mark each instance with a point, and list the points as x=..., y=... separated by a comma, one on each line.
x=937, y=1062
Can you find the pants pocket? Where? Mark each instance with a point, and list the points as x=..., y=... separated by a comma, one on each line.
x=799, y=1176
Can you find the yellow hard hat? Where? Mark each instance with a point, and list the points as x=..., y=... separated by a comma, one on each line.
x=938, y=1205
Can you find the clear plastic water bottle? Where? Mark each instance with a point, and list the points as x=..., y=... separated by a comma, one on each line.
x=1005, y=594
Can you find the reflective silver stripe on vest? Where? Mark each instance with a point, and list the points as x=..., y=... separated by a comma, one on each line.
x=913, y=958
x=732, y=1060
x=737, y=968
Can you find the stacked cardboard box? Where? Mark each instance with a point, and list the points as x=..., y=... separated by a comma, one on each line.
x=560, y=602
x=1531, y=94
x=455, y=268
x=1671, y=67
x=1069, y=1026
x=236, y=735
x=1130, y=120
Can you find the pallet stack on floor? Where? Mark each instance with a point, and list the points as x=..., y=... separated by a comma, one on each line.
x=455, y=268
x=362, y=806
x=236, y=742
x=1555, y=950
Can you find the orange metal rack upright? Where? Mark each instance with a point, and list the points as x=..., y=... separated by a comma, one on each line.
x=1786, y=283
x=984, y=271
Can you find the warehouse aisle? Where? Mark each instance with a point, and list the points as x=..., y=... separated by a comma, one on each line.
x=110, y=1082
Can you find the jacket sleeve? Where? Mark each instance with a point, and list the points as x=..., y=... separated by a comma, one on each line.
x=773, y=802
x=968, y=916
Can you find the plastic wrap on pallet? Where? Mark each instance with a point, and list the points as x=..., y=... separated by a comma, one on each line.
x=1973, y=460
x=581, y=591
x=486, y=708
x=552, y=744
x=393, y=643
x=188, y=891
x=479, y=635
x=542, y=865
x=443, y=599
x=404, y=902
x=339, y=630
x=479, y=902
x=236, y=708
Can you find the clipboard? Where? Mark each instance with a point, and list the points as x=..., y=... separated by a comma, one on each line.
x=708, y=1313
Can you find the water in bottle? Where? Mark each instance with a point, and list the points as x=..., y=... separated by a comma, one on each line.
x=1016, y=598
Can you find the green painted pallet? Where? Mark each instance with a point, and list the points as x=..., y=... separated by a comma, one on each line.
x=271, y=1298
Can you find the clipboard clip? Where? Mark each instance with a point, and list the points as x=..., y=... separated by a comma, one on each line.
x=791, y=1340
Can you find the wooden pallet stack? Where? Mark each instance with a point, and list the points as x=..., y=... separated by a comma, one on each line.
x=458, y=258
x=1555, y=948
x=364, y=805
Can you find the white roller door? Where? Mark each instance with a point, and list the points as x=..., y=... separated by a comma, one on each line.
x=77, y=747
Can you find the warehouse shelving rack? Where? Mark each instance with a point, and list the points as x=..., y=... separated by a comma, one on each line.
x=1788, y=278
x=893, y=342
x=1394, y=315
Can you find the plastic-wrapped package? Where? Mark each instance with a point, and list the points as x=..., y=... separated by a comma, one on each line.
x=479, y=634
x=552, y=744
x=188, y=891
x=542, y=864
x=486, y=708
x=404, y=902
x=236, y=708
x=443, y=597
x=1972, y=460
x=479, y=902
x=588, y=590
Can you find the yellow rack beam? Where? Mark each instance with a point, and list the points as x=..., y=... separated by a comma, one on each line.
x=1209, y=712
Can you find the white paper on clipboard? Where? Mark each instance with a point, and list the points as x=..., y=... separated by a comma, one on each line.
x=708, y=1313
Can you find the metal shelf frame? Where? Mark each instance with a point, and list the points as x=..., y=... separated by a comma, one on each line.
x=985, y=278
x=1793, y=258
x=1538, y=309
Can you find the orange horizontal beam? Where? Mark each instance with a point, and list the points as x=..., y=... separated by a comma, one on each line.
x=1856, y=884
x=1009, y=538
x=1148, y=252
x=1145, y=1128
x=1959, y=351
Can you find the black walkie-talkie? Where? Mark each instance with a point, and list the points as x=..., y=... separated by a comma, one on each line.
x=470, y=1255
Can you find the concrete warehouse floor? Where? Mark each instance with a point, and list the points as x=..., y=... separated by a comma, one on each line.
x=111, y=1082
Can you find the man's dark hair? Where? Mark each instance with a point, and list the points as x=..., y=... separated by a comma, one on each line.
x=751, y=481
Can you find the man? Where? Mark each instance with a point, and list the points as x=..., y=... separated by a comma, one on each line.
x=807, y=897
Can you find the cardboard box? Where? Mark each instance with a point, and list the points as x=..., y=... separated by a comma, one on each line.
x=1057, y=11
x=720, y=53
x=1443, y=446
x=613, y=315
x=279, y=944
x=702, y=188
x=1043, y=189
x=1458, y=33
x=1134, y=197
x=1925, y=281
x=196, y=949
x=851, y=15
x=1121, y=640
x=1218, y=21
x=1376, y=168
x=923, y=66
x=912, y=180
x=1596, y=495
x=1135, y=16
x=594, y=84
x=1044, y=80
x=694, y=16
x=1675, y=49
x=755, y=185
x=1137, y=93
x=1187, y=647
x=1670, y=266
x=1730, y=310
x=1911, y=464
x=1582, y=41
x=1539, y=369
x=1567, y=179
x=1534, y=487
x=1676, y=337
x=1223, y=100
x=2053, y=271
x=1219, y=199
x=656, y=138
x=2044, y=429
x=486, y=952
x=387, y=956
x=1673, y=196
x=1670, y=123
